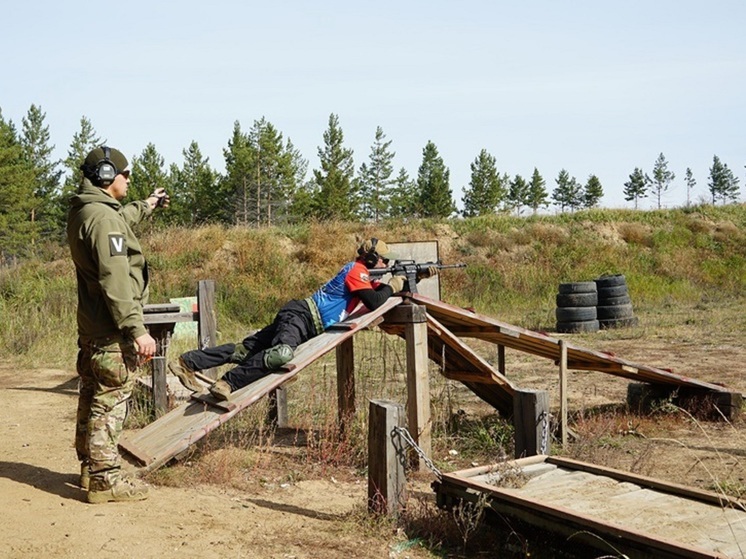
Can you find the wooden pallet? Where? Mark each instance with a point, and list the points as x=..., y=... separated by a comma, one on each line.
x=605, y=509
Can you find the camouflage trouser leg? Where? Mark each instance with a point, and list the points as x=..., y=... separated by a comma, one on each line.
x=107, y=374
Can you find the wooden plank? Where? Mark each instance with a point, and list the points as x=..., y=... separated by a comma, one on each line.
x=644, y=481
x=174, y=432
x=570, y=521
x=468, y=354
x=608, y=499
x=539, y=344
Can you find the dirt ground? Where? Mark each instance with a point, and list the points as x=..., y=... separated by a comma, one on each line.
x=45, y=514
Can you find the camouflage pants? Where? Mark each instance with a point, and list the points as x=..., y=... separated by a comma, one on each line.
x=107, y=374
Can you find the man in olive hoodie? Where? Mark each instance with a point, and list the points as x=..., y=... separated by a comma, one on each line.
x=112, y=277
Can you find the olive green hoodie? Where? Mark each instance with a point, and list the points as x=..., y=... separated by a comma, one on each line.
x=111, y=269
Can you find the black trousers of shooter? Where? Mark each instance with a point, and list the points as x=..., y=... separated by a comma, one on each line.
x=292, y=325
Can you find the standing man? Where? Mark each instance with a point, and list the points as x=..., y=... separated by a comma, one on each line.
x=112, y=277
x=296, y=322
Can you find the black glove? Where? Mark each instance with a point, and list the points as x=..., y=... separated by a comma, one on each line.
x=397, y=283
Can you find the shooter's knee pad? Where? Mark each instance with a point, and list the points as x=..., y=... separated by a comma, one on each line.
x=276, y=356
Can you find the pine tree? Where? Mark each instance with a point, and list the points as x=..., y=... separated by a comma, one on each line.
x=690, y=184
x=518, y=194
x=297, y=169
x=195, y=196
x=486, y=189
x=262, y=174
x=48, y=212
x=593, y=192
x=637, y=186
x=336, y=197
x=434, y=196
x=568, y=193
x=17, y=199
x=662, y=177
x=403, y=200
x=239, y=164
x=375, y=179
x=272, y=172
x=537, y=192
x=83, y=142
x=149, y=174
x=723, y=184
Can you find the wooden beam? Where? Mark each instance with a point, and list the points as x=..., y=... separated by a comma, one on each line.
x=386, y=477
x=345, y=382
x=418, y=387
x=531, y=421
x=563, y=393
x=207, y=325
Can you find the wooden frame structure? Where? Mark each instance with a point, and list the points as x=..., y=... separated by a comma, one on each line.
x=604, y=509
x=433, y=331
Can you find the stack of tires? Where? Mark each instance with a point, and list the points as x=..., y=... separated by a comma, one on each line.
x=576, y=307
x=614, y=308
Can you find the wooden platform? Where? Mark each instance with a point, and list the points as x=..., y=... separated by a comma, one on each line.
x=605, y=509
x=174, y=432
x=154, y=445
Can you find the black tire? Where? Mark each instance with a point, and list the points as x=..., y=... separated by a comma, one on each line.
x=618, y=311
x=614, y=291
x=575, y=314
x=577, y=287
x=577, y=299
x=577, y=327
x=611, y=281
x=606, y=324
x=614, y=301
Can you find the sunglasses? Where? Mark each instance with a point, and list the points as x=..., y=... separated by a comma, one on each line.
x=125, y=174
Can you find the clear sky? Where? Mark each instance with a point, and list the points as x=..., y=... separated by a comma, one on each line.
x=593, y=87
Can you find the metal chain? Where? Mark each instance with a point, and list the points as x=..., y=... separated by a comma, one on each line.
x=544, y=418
x=404, y=434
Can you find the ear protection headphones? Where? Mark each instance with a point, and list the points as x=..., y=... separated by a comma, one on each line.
x=370, y=256
x=105, y=171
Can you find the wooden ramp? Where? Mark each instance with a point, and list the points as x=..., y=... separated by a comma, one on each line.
x=171, y=434
x=468, y=324
x=608, y=510
x=156, y=444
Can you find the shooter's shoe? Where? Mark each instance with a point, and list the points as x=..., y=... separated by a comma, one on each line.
x=185, y=375
x=221, y=390
x=276, y=356
x=121, y=489
x=85, y=475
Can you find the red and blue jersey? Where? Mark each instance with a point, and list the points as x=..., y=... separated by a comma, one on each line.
x=336, y=299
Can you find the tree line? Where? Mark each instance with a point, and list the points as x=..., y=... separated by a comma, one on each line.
x=266, y=182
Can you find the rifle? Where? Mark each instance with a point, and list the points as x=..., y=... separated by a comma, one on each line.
x=410, y=269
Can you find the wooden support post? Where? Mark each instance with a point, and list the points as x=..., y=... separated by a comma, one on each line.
x=345, y=382
x=386, y=452
x=418, y=383
x=563, y=392
x=207, y=326
x=160, y=320
x=501, y=359
x=277, y=414
x=531, y=422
